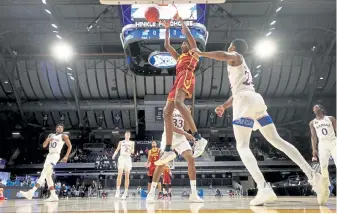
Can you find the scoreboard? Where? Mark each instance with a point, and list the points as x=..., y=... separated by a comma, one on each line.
x=136, y=28
x=133, y=14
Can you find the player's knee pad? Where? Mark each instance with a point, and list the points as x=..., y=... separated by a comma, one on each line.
x=244, y=122
x=264, y=121
x=150, y=179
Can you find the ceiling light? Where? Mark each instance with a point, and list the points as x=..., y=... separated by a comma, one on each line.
x=265, y=48
x=6, y=81
x=321, y=78
x=48, y=11
x=268, y=34
x=44, y=2
x=62, y=51
x=71, y=77
x=278, y=9
x=58, y=36
x=256, y=75
x=54, y=25
x=272, y=28
x=259, y=66
x=55, y=31
x=69, y=74
x=69, y=68
x=273, y=22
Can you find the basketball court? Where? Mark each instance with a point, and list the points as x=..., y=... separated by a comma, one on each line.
x=178, y=204
x=143, y=55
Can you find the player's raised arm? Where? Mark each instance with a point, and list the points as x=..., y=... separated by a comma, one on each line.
x=68, y=143
x=333, y=120
x=47, y=141
x=117, y=150
x=218, y=55
x=187, y=32
x=167, y=43
x=313, y=139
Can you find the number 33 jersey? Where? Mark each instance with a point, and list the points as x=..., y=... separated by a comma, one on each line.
x=240, y=78
x=324, y=129
x=178, y=120
x=56, y=143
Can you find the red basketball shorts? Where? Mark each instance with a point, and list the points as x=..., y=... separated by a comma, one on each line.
x=151, y=170
x=185, y=80
x=166, y=178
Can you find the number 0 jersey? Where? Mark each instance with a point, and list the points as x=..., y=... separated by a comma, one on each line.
x=324, y=129
x=178, y=120
x=240, y=78
x=56, y=143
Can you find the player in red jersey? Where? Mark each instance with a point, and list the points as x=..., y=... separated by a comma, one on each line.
x=167, y=174
x=182, y=89
x=153, y=156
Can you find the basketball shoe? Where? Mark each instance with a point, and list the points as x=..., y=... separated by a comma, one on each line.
x=194, y=198
x=263, y=196
x=165, y=158
x=199, y=148
x=52, y=198
x=28, y=195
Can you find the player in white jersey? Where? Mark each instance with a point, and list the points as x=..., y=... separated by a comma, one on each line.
x=55, y=142
x=127, y=148
x=181, y=146
x=250, y=112
x=324, y=128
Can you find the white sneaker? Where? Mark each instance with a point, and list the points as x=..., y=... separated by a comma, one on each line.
x=52, y=198
x=124, y=196
x=150, y=198
x=199, y=148
x=263, y=196
x=194, y=198
x=28, y=195
x=117, y=194
x=165, y=158
x=195, y=208
x=320, y=185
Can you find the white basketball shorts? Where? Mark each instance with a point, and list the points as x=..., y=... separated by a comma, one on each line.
x=124, y=163
x=179, y=143
x=52, y=159
x=250, y=110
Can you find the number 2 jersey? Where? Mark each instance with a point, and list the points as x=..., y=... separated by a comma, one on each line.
x=324, y=129
x=56, y=143
x=126, y=147
x=240, y=78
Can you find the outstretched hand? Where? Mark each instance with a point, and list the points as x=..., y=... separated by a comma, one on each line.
x=166, y=23
x=177, y=17
x=220, y=110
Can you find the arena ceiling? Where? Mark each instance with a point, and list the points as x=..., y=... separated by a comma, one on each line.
x=102, y=84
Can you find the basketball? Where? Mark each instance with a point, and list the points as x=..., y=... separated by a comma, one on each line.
x=152, y=14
